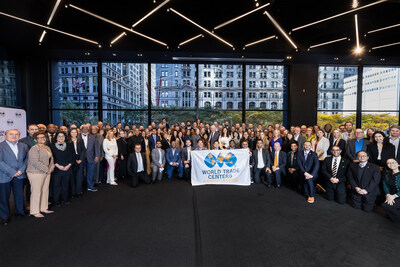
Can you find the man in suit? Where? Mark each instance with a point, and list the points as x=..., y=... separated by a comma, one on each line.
x=336, y=140
x=173, y=159
x=186, y=158
x=309, y=166
x=51, y=133
x=355, y=145
x=157, y=164
x=298, y=137
x=98, y=175
x=137, y=138
x=137, y=166
x=28, y=140
x=91, y=154
x=278, y=162
x=13, y=163
x=394, y=139
x=153, y=138
x=262, y=164
x=292, y=166
x=214, y=135
x=334, y=170
x=364, y=178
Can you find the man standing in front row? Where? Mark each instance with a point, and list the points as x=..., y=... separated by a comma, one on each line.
x=137, y=166
x=92, y=154
x=309, y=166
x=13, y=163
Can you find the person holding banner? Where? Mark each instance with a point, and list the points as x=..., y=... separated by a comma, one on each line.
x=279, y=164
x=262, y=163
x=309, y=166
x=245, y=145
x=186, y=158
x=173, y=158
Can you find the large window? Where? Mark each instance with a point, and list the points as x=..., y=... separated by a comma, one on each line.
x=337, y=95
x=9, y=95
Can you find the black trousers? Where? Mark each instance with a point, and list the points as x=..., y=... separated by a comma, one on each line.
x=393, y=212
x=76, y=179
x=366, y=202
x=337, y=191
x=293, y=180
x=140, y=176
x=260, y=175
x=122, y=167
x=61, y=188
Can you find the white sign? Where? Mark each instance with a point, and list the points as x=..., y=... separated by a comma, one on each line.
x=12, y=118
x=220, y=167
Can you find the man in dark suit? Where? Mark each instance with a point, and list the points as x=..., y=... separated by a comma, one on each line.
x=91, y=154
x=355, y=145
x=214, y=135
x=278, y=162
x=51, y=133
x=13, y=163
x=364, y=178
x=309, y=166
x=334, y=170
x=292, y=166
x=153, y=138
x=186, y=158
x=336, y=140
x=173, y=159
x=262, y=163
x=298, y=137
x=137, y=166
x=137, y=138
x=394, y=139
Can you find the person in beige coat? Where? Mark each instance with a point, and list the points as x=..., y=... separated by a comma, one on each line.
x=40, y=166
x=320, y=145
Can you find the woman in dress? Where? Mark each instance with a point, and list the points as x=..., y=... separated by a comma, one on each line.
x=110, y=148
x=276, y=139
x=224, y=139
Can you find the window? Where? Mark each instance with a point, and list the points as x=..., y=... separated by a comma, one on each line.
x=229, y=105
x=274, y=105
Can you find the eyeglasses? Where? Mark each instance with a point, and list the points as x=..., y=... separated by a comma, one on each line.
x=335, y=150
x=41, y=137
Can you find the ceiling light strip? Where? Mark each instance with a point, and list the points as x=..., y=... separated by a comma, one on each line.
x=118, y=37
x=191, y=39
x=326, y=43
x=261, y=40
x=42, y=36
x=383, y=46
x=384, y=28
x=117, y=24
x=207, y=31
x=239, y=17
x=151, y=12
x=338, y=15
x=357, y=37
x=280, y=29
x=53, y=12
x=49, y=28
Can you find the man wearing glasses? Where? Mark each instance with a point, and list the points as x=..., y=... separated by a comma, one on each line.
x=334, y=169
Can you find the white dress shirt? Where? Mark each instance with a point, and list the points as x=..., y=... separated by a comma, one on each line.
x=14, y=148
x=337, y=162
x=189, y=151
x=85, y=139
x=159, y=156
x=394, y=142
x=139, y=159
x=260, y=163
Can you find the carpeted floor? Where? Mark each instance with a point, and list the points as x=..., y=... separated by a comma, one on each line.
x=171, y=223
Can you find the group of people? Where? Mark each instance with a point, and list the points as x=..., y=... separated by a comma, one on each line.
x=64, y=162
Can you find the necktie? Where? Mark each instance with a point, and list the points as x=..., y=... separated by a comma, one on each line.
x=305, y=155
x=212, y=134
x=291, y=159
x=276, y=160
x=155, y=140
x=334, y=169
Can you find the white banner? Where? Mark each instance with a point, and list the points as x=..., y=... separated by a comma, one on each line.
x=12, y=118
x=220, y=167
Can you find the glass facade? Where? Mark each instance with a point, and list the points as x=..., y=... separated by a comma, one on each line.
x=9, y=94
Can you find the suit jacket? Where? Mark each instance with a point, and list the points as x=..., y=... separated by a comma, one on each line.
x=92, y=150
x=100, y=140
x=133, y=164
x=152, y=144
x=265, y=156
x=214, y=138
x=301, y=140
x=28, y=140
x=185, y=154
x=388, y=152
x=173, y=158
x=369, y=180
x=281, y=160
x=340, y=143
x=80, y=147
x=326, y=169
x=155, y=158
x=289, y=164
x=351, y=148
x=311, y=165
x=9, y=164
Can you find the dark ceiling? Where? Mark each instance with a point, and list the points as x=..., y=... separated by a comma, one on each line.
x=172, y=29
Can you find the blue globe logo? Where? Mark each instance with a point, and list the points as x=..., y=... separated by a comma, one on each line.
x=230, y=159
x=210, y=160
x=220, y=160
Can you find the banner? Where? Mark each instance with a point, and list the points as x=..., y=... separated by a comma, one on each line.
x=220, y=167
x=12, y=118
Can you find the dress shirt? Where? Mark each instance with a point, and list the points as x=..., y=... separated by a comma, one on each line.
x=296, y=137
x=260, y=163
x=362, y=164
x=337, y=162
x=189, y=151
x=159, y=156
x=14, y=148
x=85, y=139
x=359, y=145
x=394, y=142
x=140, y=167
x=75, y=146
x=306, y=154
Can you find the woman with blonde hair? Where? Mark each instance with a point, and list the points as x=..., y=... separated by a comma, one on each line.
x=110, y=148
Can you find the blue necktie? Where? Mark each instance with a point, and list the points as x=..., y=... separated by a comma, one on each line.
x=305, y=155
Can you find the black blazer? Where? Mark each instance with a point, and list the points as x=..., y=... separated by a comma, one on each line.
x=265, y=155
x=326, y=169
x=122, y=144
x=289, y=164
x=388, y=152
x=185, y=153
x=351, y=148
x=133, y=164
x=281, y=160
x=369, y=180
x=80, y=147
x=341, y=143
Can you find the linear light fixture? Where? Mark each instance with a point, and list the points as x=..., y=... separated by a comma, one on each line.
x=384, y=28
x=338, y=15
x=117, y=24
x=204, y=29
x=42, y=36
x=280, y=29
x=191, y=39
x=355, y=3
x=53, y=12
x=261, y=40
x=358, y=48
x=383, y=46
x=241, y=16
x=329, y=42
x=151, y=12
x=117, y=38
x=49, y=28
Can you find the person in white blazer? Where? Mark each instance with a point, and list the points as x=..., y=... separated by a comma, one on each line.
x=110, y=148
x=320, y=145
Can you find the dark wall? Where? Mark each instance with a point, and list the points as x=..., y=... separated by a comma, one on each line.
x=303, y=92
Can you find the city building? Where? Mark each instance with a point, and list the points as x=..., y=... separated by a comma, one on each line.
x=8, y=91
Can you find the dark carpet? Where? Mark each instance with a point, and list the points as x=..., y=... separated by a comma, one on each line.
x=171, y=223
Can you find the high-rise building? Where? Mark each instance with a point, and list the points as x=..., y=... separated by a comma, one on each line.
x=8, y=86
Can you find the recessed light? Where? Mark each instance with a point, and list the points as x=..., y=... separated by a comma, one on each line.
x=289, y=57
x=336, y=58
x=382, y=59
x=114, y=55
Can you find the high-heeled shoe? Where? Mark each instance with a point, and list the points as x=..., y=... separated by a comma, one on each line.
x=47, y=211
x=37, y=215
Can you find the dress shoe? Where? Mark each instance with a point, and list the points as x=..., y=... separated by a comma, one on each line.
x=19, y=215
x=92, y=190
x=4, y=222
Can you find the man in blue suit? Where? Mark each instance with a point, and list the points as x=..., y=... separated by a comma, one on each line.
x=91, y=153
x=309, y=166
x=278, y=162
x=153, y=138
x=13, y=163
x=173, y=158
